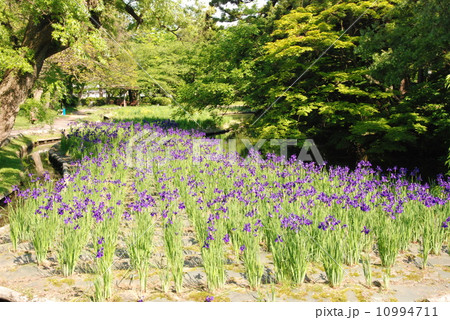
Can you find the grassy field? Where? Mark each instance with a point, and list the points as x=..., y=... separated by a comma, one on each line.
x=203, y=120
x=22, y=123
x=11, y=169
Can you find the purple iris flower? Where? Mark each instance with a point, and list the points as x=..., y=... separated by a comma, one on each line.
x=323, y=226
x=100, y=253
x=330, y=222
x=258, y=223
x=127, y=216
x=226, y=238
x=209, y=299
x=279, y=239
x=365, y=230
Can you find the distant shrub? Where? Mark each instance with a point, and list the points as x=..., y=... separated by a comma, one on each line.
x=146, y=100
x=202, y=95
x=70, y=101
x=28, y=108
x=35, y=111
x=162, y=101
x=93, y=102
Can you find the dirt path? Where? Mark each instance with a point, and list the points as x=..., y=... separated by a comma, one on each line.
x=61, y=123
x=19, y=271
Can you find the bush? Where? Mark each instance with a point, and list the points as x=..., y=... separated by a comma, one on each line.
x=70, y=101
x=93, y=101
x=146, y=100
x=162, y=101
x=201, y=95
x=35, y=110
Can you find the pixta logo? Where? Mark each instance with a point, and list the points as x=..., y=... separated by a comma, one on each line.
x=309, y=151
x=143, y=147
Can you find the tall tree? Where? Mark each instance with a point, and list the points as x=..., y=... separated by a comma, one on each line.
x=365, y=79
x=310, y=82
x=164, y=53
x=410, y=53
x=32, y=31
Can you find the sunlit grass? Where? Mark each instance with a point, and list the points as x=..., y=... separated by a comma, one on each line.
x=11, y=166
x=186, y=119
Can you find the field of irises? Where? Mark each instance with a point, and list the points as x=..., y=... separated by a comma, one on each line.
x=131, y=179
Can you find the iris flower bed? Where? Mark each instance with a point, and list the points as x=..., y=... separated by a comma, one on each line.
x=124, y=185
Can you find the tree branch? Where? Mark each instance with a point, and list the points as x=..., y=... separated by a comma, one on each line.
x=172, y=31
x=130, y=10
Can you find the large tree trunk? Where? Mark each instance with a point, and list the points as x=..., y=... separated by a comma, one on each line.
x=15, y=85
x=404, y=86
x=37, y=94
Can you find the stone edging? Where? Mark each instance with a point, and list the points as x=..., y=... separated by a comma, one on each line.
x=59, y=161
x=8, y=295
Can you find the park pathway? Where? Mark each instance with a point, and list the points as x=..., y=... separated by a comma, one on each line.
x=61, y=123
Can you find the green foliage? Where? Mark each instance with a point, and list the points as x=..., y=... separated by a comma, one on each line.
x=164, y=63
x=70, y=22
x=33, y=31
x=35, y=110
x=333, y=94
x=448, y=162
x=365, y=80
x=232, y=10
x=412, y=39
x=202, y=95
x=221, y=69
x=11, y=56
x=30, y=109
x=93, y=101
x=161, y=101
x=140, y=245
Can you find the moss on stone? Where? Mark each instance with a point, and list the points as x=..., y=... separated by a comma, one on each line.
x=413, y=277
